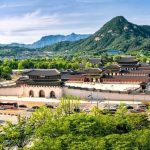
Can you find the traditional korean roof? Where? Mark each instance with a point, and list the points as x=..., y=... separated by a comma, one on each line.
x=43, y=72
x=116, y=71
x=144, y=65
x=71, y=71
x=95, y=61
x=39, y=82
x=77, y=76
x=140, y=72
x=128, y=77
x=113, y=66
x=143, y=68
x=23, y=78
x=124, y=79
x=111, y=71
x=93, y=71
x=65, y=76
x=127, y=59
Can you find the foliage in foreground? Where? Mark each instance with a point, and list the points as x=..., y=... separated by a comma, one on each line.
x=48, y=130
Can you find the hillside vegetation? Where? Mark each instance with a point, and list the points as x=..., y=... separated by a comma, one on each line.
x=117, y=34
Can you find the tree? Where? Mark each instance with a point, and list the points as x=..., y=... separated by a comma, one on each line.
x=88, y=65
x=116, y=57
x=121, y=142
x=46, y=144
x=96, y=111
x=20, y=65
x=143, y=139
x=69, y=104
x=53, y=129
x=17, y=134
x=6, y=72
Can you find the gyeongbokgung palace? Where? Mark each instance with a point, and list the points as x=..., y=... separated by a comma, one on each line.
x=127, y=75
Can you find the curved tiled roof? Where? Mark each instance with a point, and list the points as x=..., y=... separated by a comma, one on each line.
x=93, y=71
x=127, y=59
x=43, y=72
x=113, y=66
x=95, y=60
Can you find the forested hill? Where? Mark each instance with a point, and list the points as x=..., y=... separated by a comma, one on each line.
x=49, y=40
x=118, y=34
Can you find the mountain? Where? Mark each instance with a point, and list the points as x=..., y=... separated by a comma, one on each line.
x=146, y=27
x=52, y=39
x=117, y=34
x=49, y=40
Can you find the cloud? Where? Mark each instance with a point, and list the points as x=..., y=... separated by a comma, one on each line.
x=94, y=1
x=25, y=21
x=12, y=27
x=140, y=19
x=28, y=20
x=12, y=5
x=29, y=27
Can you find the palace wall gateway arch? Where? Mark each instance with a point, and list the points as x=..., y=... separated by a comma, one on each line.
x=41, y=91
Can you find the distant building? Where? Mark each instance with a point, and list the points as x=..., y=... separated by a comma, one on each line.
x=126, y=75
x=49, y=77
x=96, y=62
x=41, y=83
x=128, y=62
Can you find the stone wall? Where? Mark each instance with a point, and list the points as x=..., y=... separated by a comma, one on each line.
x=59, y=92
x=9, y=91
x=88, y=95
x=25, y=90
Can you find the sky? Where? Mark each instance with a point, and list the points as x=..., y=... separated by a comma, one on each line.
x=26, y=21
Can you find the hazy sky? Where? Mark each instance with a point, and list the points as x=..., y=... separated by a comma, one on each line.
x=25, y=21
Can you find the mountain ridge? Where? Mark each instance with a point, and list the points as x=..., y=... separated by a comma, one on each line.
x=118, y=33
x=49, y=40
x=52, y=39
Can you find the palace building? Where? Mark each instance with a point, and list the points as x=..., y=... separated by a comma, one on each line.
x=47, y=77
x=126, y=71
x=128, y=63
x=41, y=83
x=126, y=75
